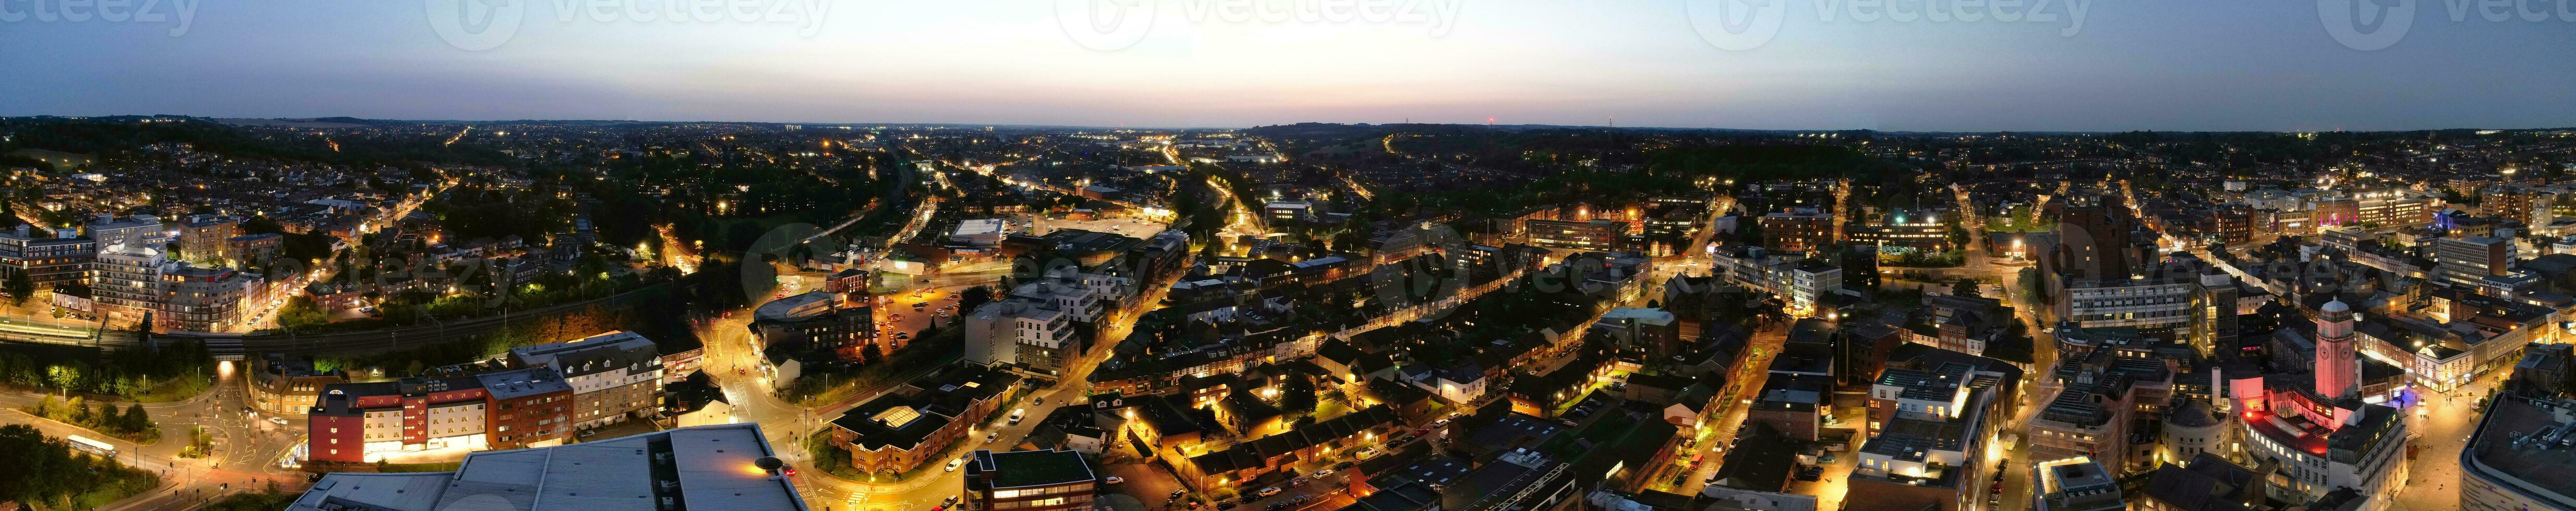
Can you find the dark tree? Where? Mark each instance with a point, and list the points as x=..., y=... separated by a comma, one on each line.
x=1298, y=395
x=19, y=287
x=973, y=298
x=134, y=420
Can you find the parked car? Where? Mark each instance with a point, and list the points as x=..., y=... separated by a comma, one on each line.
x=1266, y=492
x=1225, y=506
x=1292, y=483
x=1178, y=493
x=1276, y=506
x=1113, y=480
x=952, y=464
x=1367, y=453
x=1319, y=474
x=1346, y=464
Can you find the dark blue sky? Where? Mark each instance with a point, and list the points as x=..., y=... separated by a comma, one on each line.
x=2156, y=64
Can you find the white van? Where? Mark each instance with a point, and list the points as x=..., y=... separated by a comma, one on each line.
x=1017, y=414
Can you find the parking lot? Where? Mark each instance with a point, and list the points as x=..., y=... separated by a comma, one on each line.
x=1155, y=485
x=1131, y=227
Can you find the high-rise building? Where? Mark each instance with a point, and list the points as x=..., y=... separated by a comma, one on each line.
x=1798, y=230
x=2093, y=243
x=202, y=299
x=2468, y=259
x=206, y=237
x=127, y=283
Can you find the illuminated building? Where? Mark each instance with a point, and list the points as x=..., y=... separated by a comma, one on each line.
x=1029, y=480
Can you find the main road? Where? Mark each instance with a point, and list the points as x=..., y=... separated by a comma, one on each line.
x=246, y=454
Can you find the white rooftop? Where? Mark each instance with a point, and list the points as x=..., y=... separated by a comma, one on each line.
x=704, y=468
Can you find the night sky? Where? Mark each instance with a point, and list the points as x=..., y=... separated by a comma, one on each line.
x=2138, y=64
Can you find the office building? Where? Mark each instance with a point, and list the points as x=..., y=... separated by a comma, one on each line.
x=2094, y=242
x=1919, y=230
x=2397, y=212
x=2469, y=259
x=1289, y=212
x=815, y=321
x=1048, y=480
x=2518, y=457
x=1592, y=235
x=1798, y=230
x=2074, y=484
